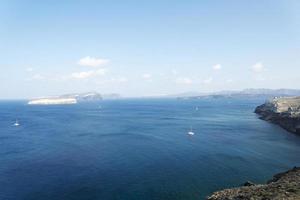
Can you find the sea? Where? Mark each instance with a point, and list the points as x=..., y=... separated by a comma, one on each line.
x=138, y=149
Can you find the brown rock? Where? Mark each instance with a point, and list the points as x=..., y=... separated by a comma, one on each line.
x=283, y=186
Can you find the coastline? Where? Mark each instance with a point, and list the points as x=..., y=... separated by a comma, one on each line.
x=284, y=111
x=285, y=185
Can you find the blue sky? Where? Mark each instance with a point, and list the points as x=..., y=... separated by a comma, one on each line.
x=141, y=48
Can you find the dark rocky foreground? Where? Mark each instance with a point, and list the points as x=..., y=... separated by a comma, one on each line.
x=283, y=111
x=283, y=186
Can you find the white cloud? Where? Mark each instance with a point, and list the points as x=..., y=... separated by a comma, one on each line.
x=122, y=79
x=88, y=74
x=184, y=80
x=208, y=80
x=229, y=80
x=29, y=69
x=146, y=76
x=174, y=71
x=92, y=62
x=119, y=80
x=37, y=77
x=82, y=75
x=259, y=77
x=162, y=74
x=217, y=67
x=258, y=67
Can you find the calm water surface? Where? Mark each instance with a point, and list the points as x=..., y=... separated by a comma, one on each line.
x=137, y=149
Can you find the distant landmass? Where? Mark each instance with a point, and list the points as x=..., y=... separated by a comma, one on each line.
x=111, y=96
x=81, y=97
x=67, y=99
x=52, y=101
x=267, y=93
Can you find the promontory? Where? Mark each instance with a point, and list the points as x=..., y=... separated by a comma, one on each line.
x=284, y=111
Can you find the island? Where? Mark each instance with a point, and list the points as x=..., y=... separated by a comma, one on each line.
x=246, y=93
x=67, y=99
x=284, y=111
x=283, y=186
x=52, y=101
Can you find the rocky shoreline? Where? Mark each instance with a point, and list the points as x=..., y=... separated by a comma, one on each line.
x=283, y=186
x=284, y=111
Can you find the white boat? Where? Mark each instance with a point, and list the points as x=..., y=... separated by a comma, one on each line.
x=191, y=132
x=16, y=123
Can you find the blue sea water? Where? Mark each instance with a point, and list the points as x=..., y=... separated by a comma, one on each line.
x=138, y=149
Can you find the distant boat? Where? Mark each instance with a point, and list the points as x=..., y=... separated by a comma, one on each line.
x=191, y=132
x=16, y=123
x=197, y=108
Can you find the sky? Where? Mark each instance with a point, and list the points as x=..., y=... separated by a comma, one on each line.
x=146, y=48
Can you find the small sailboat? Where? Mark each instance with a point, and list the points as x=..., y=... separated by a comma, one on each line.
x=191, y=132
x=197, y=108
x=16, y=123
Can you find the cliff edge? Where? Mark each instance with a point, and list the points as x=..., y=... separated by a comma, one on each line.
x=284, y=111
x=283, y=186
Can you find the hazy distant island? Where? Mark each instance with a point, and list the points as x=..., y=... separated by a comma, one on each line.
x=246, y=93
x=67, y=99
x=284, y=111
x=283, y=186
x=52, y=101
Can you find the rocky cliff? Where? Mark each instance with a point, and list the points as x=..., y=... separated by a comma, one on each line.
x=53, y=101
x=67, y=99
x=284, y=111
x=283, y=186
